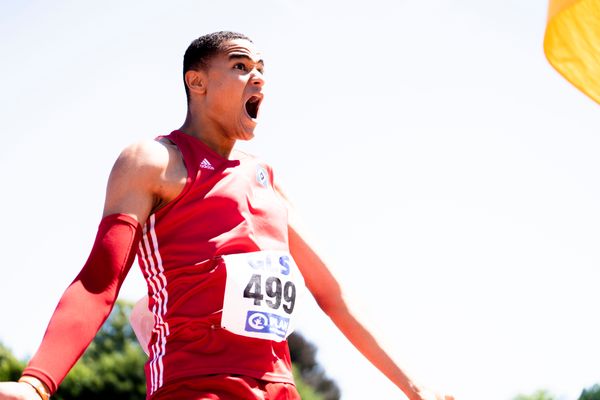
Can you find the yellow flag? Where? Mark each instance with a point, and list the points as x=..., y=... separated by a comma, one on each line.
x=572, y=43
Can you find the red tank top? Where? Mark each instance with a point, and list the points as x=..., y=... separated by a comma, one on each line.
x=225, y=207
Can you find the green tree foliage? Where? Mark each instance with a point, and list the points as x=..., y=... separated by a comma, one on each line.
x=310, y=372
x=592, y=393
x=113, y=365
x=306, y=392
x=539, y=395
x=10, y=367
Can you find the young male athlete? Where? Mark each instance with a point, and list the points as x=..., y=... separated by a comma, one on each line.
x=224, y=268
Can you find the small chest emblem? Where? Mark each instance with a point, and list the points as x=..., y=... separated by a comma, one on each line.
x=205, y=164
x=262, y=176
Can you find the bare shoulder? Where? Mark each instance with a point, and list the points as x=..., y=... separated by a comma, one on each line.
x=146, y=175
x=155, y=164
x=145, y=155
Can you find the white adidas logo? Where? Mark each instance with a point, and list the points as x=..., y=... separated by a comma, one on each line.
x=206, y=164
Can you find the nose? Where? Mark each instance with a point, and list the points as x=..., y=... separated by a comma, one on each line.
x=257, y=78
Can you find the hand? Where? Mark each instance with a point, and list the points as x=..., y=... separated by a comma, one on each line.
x=17, y=391
x=426, y=394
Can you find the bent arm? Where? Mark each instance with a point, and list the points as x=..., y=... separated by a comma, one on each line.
x=88, y=300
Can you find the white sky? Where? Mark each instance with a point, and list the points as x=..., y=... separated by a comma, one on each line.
x=448, y=173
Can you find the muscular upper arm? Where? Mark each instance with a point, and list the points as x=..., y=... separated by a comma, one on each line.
x=135, y=180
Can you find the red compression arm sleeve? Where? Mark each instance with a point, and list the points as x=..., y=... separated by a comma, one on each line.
x=87, y=302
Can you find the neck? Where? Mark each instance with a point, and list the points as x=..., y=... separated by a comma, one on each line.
x=213, y=138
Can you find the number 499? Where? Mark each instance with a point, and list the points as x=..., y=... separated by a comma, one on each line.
x=276, y=292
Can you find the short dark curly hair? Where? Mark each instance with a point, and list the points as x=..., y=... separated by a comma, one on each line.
x=202, y=49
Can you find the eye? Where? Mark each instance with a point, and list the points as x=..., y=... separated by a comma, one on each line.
x=240, y=66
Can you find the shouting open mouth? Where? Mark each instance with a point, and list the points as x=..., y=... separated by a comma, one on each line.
x=252, y=105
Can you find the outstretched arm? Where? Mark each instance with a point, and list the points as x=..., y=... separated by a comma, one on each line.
x=88, y=300
x=329, y=296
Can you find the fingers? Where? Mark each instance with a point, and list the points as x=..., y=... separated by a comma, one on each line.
x=433, y=395
x=17, y=391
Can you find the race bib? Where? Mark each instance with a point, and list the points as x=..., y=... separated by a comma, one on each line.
x=262, y=293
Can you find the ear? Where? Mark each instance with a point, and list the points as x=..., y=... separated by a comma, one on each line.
x=196, y=81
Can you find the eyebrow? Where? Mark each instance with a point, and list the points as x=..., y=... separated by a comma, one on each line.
x=245, y=57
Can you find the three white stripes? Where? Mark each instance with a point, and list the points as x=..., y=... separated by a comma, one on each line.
x=152, y=261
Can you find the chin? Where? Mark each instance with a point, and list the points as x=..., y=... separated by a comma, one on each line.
x=246, y=136
x=245, y=133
